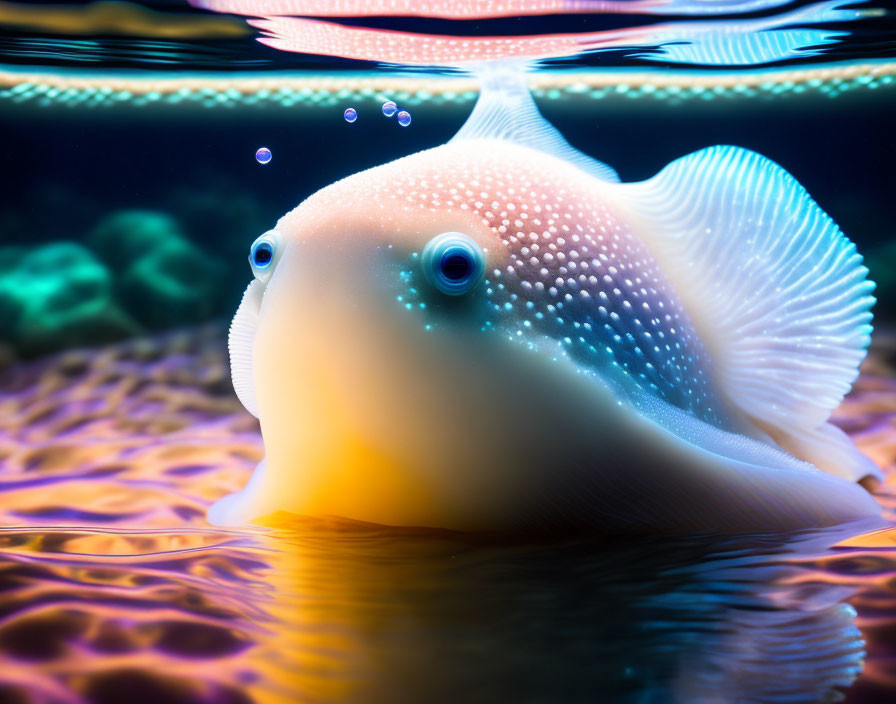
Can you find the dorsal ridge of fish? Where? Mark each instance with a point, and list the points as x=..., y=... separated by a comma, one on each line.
x=776, y=291
x=505, y=111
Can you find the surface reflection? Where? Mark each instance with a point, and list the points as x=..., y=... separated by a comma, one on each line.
x=378, y=616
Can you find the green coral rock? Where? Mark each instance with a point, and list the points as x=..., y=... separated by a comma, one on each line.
x=162, y=278
x=55, y=296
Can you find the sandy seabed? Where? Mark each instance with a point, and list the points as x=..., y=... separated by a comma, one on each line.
x=114, y=588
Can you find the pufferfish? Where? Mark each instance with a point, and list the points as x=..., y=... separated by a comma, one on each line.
x=496, y=334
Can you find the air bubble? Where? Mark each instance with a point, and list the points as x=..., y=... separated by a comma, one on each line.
x=389, y=108
x=404, y=118
x=350, y=114
x=263, y=155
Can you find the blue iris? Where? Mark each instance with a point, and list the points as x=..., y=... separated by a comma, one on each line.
x=453, y=263
x=262, y=255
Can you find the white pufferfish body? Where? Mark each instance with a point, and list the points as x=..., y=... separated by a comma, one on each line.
x=661, y=355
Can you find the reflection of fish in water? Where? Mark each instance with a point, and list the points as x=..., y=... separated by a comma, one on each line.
x=802, y=31
x=496, y=333
x=405, y=615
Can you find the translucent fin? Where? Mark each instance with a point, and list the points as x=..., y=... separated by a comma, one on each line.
x=237, y=508
x=777, y=292
x=505, y=111
x=240, y=343
x=830, y=449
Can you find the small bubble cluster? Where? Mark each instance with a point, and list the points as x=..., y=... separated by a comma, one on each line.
x=263, y=155
x=403, y=117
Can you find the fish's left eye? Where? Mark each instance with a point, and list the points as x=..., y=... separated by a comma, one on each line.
x=453, y=263
x=263, y=253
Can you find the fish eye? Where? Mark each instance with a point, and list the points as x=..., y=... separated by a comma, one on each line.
x=262, y=254
x=453, y=263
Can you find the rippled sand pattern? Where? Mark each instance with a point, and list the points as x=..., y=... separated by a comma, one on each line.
x=114, y=589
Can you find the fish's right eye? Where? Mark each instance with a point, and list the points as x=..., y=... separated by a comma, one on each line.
x=453, y=263
x=263, y=253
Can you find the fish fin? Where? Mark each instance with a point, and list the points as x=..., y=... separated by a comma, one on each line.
x=830, y=449
x=506, y=111
x=240, y=343
x=777, y=292
x=238, y=508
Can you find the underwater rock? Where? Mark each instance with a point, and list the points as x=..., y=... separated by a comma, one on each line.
x=55, y=296
x=164, y=279
x=124, y=236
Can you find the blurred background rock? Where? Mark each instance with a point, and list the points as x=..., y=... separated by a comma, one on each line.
x=132, y=272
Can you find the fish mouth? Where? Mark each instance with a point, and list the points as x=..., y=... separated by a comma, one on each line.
x=241, y=343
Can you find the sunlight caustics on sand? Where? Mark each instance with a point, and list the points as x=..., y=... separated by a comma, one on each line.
x=112, y=576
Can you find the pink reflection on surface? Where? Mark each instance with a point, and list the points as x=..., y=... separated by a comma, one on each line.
x=478, y=9
x=330, y=39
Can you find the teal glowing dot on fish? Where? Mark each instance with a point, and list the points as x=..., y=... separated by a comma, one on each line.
x=263, y=155
x=350, y=115
x=389, y=108
x=404, y=118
